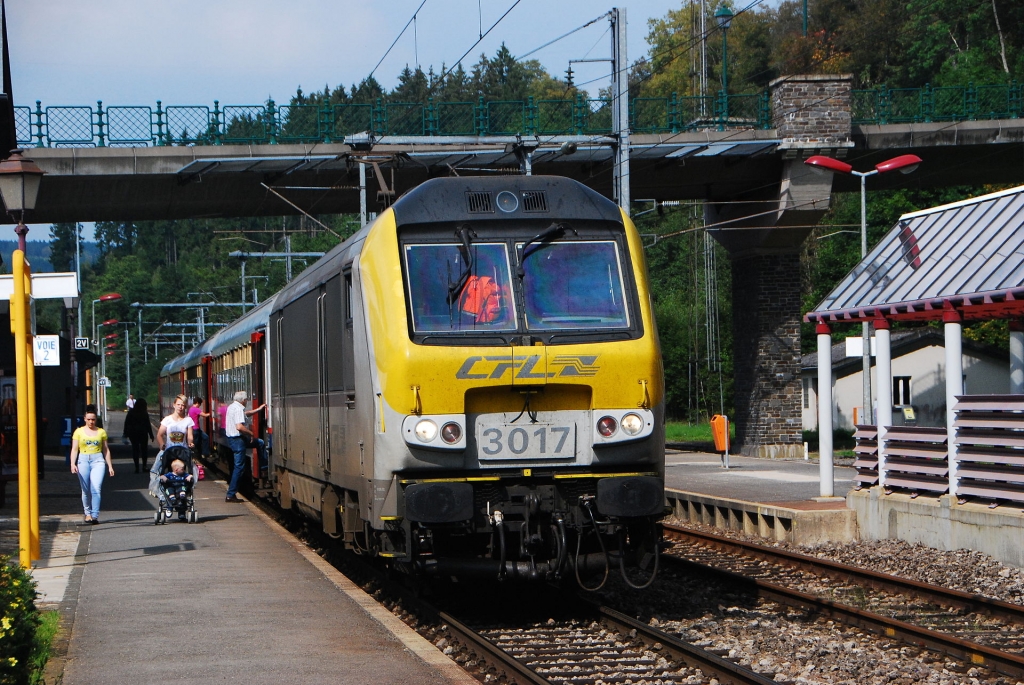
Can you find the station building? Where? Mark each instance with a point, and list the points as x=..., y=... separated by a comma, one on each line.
x=918, y=379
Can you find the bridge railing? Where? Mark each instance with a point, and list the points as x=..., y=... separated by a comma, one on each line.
x=268, y=123
x=929, y=104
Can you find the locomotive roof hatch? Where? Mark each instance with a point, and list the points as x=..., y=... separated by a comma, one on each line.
x=480, y=198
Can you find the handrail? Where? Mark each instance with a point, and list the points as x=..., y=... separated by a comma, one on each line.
x=324, y=122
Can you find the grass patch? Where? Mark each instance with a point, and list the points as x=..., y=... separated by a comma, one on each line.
x=680, y=431
x=42, y=648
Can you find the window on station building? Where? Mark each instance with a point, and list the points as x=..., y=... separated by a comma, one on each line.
x=807, y=393
x=901, y=391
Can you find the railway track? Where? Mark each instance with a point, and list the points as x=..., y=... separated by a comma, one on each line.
x=608, y=647
x=600, y=645
x=977, y=630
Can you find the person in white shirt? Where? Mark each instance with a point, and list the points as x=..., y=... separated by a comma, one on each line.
x=176, y=428
x=131, y=401
x=240, y=437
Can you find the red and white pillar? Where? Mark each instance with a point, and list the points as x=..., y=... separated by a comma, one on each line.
x=1016, y=356
x=953, y=325
x=825, y=468
x=883, y=385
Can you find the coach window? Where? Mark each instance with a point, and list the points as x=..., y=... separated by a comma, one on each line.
x=348, y=356
x=300, y=343
x=334, y=326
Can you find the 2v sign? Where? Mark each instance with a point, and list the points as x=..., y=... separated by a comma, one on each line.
x=46, y=350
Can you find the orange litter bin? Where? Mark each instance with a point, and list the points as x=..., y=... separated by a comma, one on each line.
x=720, y=432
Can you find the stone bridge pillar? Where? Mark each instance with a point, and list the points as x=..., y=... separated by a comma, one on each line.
x=812, y=117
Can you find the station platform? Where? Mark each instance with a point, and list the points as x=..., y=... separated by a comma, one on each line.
x=773, y=498
x=232, y=598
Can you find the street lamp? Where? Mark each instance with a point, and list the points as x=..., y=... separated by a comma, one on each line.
x=724, y=17
x=19, y=186
x=103, y=371
x=904, y=164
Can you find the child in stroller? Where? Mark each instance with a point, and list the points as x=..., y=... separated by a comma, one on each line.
x=175, y=486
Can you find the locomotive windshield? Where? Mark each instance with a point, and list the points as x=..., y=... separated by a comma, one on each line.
x=573, y=285
x=562, y=285
x=458, y=290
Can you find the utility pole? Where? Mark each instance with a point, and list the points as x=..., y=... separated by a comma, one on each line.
x=620, y=108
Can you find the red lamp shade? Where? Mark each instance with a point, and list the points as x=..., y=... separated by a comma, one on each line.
x=828, y=164
x=110, y=322
x=110, y=296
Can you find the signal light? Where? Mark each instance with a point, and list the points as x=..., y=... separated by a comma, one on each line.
x=451, y=433
x=607, y=426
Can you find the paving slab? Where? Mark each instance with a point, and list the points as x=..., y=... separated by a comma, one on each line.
x=232, y=598
x=752, y=479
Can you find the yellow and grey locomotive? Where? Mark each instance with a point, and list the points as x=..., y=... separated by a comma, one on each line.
x=470, y=385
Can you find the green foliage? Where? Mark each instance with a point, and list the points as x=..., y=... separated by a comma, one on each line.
x=677, y=431
x=42, y=649
x=19, y=621
x=841, y=439
x=892, y=42
x=694, y=388
x=62, y=245
x=995, y=333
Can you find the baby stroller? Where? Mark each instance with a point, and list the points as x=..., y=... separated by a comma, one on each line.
x=174, y=497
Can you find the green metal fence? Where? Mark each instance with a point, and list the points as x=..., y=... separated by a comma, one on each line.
x=268, y=123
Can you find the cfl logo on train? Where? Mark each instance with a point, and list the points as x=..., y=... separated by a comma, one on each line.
x=478, y=368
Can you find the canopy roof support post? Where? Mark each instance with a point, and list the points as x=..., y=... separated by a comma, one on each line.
x=1017, y=356
x=825, y=410
x=954, y=386
x=883, y=385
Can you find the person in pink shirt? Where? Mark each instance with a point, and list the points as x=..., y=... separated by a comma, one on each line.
x=194, y=413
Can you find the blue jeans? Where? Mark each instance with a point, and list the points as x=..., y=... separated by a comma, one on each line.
x=239, y=445
x=91, y=470
x=202, y=440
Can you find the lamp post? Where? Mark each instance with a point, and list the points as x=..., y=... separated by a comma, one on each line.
x=724, y=17
x=103, y=372
x=19, y=186
x=109, y=297
x=905, y=164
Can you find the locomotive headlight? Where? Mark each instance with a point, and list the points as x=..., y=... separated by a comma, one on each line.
x=426, y=430
x=632, y=424
x=451, y=433
x=607, y=426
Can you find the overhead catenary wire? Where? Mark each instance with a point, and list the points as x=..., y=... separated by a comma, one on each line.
x=564, y=35
x=400, y=34
x=482, y=36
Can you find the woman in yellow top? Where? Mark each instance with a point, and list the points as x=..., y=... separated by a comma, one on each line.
x=89, y=451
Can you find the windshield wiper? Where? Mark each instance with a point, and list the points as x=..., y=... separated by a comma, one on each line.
x=454, y=289
x=551, y=232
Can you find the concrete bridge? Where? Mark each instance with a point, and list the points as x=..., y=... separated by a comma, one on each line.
x=757, y=174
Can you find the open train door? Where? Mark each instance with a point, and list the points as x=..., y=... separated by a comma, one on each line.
x=208, y=426
x=259, y=396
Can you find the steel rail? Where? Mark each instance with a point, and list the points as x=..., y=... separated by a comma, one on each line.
x=964, y=650
x=724, y=670
x=879, y=581
x=494, y=655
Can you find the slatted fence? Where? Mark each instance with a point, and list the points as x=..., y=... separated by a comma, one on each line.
x=916, y=460
x=866, y=450
x=990, y=447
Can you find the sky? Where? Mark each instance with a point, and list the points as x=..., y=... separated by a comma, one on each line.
x=134, y=52
x=185, y=52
